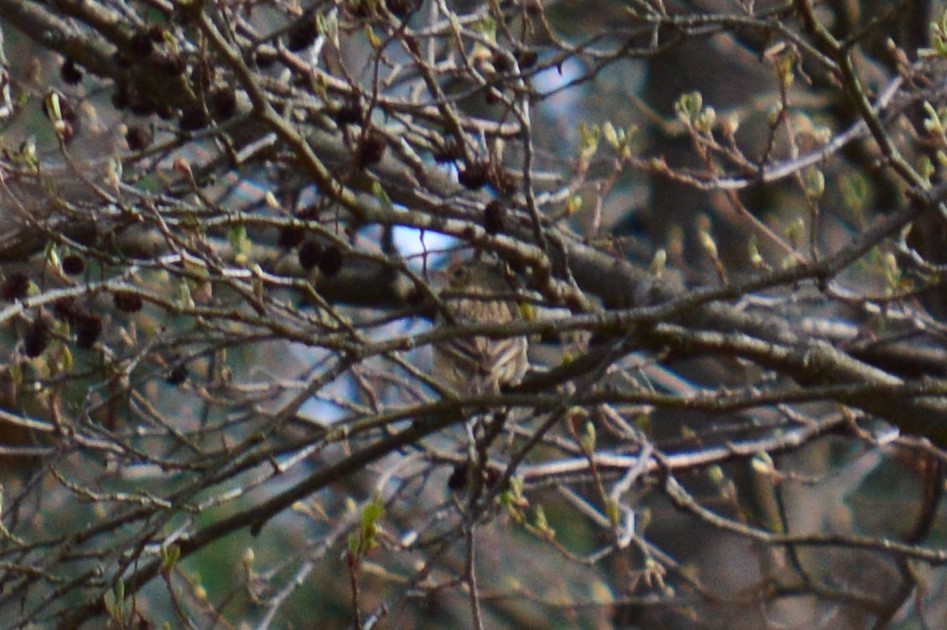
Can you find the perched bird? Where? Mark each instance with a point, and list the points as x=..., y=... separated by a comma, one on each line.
x=478, y=292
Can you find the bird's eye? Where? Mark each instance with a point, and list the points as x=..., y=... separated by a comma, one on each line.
x=458, y=275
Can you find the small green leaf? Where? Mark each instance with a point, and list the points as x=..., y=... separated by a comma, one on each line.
x=52, y=254
x=610, y=135
x=238, y=239
x=249, y=557
x=381, y=195
x=814, y=183
x=708, y=243
x=613, y=511
x=756, y=259
x=541, y=521
x=372, y=38
x=372, y=513
x=688, y=106
x=589, y=437
x=589, y=136
x=169, y=558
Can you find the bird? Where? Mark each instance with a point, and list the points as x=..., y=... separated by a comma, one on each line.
x=478, y=293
